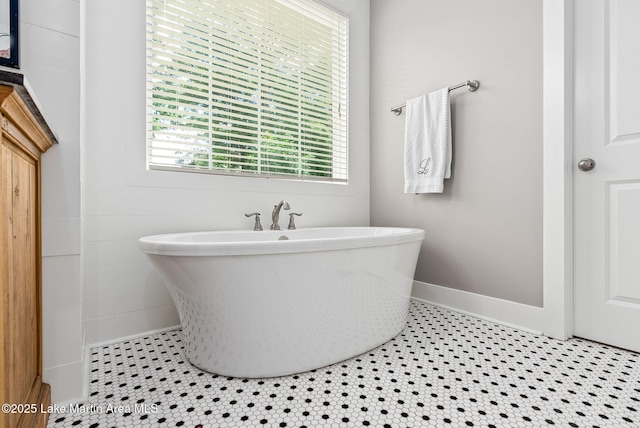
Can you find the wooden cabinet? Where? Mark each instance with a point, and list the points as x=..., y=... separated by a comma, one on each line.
x=23, y=141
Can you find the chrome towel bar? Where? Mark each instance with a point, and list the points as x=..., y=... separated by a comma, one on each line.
x=472, y=85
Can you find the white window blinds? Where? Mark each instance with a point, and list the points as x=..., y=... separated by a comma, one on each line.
x=247, y=87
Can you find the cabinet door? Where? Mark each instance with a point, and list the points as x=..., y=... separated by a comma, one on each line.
x=20, y=273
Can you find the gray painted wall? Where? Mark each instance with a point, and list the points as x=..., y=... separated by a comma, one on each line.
x=484, y=233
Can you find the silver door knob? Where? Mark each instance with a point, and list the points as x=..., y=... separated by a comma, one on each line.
x=586, y=164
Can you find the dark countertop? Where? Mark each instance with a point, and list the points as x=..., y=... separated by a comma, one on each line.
x=16, y=80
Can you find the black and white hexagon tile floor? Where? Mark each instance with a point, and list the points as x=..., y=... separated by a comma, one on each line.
x=444, y=369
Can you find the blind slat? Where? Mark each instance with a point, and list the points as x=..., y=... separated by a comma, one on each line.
x=249, y=86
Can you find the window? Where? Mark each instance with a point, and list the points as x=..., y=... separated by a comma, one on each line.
x=249, y=87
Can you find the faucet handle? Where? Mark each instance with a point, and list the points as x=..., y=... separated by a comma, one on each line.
x=257, y=225
x=292, y=224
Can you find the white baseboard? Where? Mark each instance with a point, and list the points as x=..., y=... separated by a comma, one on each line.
x=511, y=314
x=131, y=337
x=70, y=383
x=67, y=382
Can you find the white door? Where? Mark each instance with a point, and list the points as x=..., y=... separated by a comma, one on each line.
x=607, y=198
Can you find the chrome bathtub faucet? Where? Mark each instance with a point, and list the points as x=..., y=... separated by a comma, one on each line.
x=292, y=224
x=275, y=216
x=257, y=225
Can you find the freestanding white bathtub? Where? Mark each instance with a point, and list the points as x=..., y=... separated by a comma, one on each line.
x=272, y=303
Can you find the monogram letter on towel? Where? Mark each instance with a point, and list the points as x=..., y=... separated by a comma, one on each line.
x=427, y=144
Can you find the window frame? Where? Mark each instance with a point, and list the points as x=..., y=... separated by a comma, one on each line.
x=341, y=177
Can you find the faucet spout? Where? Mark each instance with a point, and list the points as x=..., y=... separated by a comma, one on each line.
x=275, y=216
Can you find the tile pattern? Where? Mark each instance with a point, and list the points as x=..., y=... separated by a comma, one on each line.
x=444, y=369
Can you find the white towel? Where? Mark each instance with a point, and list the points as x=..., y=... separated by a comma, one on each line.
x=427, y=144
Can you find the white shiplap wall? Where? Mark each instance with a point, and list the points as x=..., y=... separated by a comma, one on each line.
x=50, y=61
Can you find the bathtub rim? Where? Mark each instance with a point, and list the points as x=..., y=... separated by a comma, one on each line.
x=169, y=245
